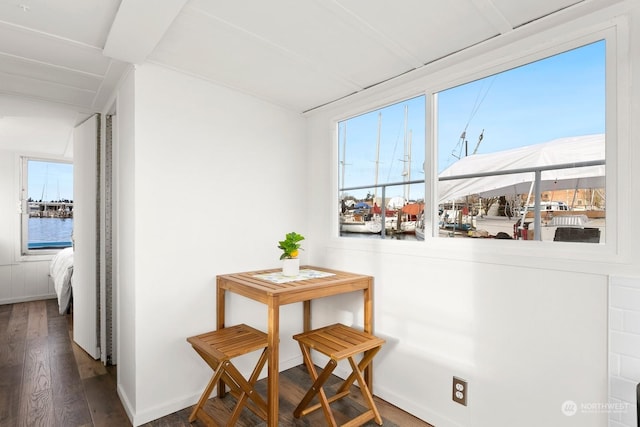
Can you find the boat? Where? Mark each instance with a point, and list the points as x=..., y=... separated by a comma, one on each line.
x=419, y=230
x=402, y=217
x=412, y=212
x=391, y=224
x=456, y=219
x=546, y=206
x=360, y=224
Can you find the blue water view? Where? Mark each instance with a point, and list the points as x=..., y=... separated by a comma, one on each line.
x=50, y=232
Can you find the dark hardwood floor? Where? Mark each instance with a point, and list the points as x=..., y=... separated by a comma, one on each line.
x=47, y=380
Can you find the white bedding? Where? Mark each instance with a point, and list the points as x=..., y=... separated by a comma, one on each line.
x=61, y=270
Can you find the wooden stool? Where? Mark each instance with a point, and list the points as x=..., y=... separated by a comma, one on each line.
x=217, y=348
x=338, y=342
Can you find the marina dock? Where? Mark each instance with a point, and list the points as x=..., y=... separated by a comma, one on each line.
x=63, y=209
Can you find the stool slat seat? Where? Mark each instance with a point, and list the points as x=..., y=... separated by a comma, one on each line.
x=338, y=342
x=217, y=348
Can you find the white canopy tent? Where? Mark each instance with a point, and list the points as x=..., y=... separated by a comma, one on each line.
x=565, y=163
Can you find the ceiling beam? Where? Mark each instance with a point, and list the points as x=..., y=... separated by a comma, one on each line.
x=139, y=27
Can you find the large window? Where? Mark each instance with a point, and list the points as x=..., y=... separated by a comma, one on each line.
x=520, y=155
x=381, y=176
x=528, y=148
x=47, y=205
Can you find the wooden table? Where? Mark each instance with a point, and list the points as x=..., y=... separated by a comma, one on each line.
x=274, y=295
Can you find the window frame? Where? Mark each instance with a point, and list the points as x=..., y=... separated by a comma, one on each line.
x=531, y=58
x=24, y=253
x=473, y=66
x=407, y=97
x=612, y=93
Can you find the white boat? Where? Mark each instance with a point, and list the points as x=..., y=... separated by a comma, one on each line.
x=546, y=206
x=357, y=224
x=371, y=227
x=391, y=224
x=408, y=226
x=419, y=227
x=412, y=214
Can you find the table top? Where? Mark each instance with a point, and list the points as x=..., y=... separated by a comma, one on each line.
x=263, y=285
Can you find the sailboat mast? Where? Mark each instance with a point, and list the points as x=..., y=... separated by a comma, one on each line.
x=409, y=166
x=405, y=173
x=375, y=189
x=344, y=155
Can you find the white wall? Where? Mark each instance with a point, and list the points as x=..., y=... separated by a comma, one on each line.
x=525, y=325
x=216, y=179
x=124, y=242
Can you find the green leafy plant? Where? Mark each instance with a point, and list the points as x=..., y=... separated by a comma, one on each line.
x=290, y=245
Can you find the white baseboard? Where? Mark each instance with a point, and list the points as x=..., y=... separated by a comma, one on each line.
x=159, y=411
x=415, y=409
x=125, y=403
x=17, y=300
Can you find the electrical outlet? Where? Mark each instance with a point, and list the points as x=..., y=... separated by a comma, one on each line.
x=460, y=391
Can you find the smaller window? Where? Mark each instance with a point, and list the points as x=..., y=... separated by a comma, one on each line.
x=381, y=178
x=47, y=206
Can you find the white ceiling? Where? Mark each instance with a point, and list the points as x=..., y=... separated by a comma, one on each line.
x=60, y=60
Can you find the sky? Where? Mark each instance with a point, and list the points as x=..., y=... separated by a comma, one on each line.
x=50, y=181
x=361, y=146
x=556, y=97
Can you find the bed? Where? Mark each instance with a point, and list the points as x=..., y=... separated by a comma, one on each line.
x=61, y=272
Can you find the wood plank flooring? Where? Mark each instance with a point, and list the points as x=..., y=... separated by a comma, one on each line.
x=47, y=380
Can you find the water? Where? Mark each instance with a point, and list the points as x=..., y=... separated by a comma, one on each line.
x=50, y=232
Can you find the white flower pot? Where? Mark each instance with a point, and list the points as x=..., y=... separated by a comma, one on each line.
x=290, y=266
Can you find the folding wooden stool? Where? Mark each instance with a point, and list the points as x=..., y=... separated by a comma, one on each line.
x=338, y=342
x=217, y=348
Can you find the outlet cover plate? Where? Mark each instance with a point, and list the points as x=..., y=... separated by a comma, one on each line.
x=460, y=391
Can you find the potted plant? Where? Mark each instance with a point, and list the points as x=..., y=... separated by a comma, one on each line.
x=291, y=247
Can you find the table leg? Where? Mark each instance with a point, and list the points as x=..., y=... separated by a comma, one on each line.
x=220, y=307
x=273, y=372
x=306, y=315
x=368, y=328
x=219, y=325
